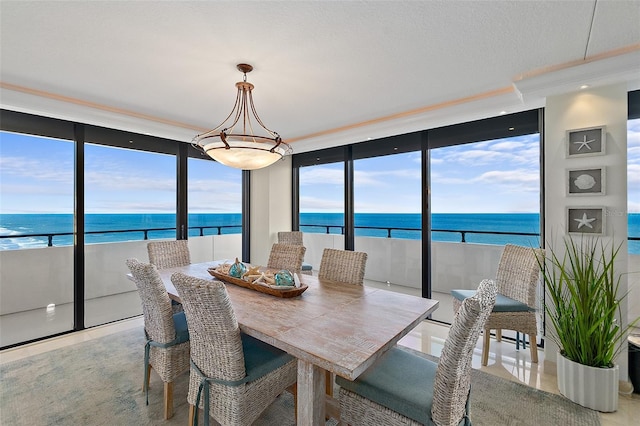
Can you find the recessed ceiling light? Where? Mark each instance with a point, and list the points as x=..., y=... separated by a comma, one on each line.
x=511, y=129
x=584, y=86
x=503, y=112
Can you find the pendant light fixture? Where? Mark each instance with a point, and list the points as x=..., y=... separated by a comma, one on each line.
x=234, y=142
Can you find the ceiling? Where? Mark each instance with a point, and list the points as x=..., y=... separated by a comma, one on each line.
x=325, y=73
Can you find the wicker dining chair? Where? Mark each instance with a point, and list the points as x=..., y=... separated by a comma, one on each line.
x=234, y=377
x=286, y=256
x=169, y=254
x=290, y=237
x=167, y=346
x=294, y=238
x=402, y=388
x=517, y=279
x=342, y=265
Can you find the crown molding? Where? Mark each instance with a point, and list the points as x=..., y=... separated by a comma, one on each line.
x=622, y=65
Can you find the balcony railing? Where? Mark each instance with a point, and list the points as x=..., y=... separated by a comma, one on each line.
x=144, y=231
x=388, y=230
x=327, y=228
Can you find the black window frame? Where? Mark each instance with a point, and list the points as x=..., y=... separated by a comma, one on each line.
x=81, y=134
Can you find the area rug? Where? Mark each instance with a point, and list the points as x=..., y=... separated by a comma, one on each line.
x=498, y=401
x=99, y=382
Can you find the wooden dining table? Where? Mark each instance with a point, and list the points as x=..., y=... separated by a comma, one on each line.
x=332, y=326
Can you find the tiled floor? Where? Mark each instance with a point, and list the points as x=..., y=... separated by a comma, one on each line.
x=504, y=360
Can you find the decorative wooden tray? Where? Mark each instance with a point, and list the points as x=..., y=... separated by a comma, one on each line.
x=259, y=287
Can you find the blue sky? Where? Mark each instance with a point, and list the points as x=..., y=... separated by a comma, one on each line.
x=463, y=180
x=36, y=176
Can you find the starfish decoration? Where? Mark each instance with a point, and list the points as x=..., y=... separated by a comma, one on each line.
x=253, y=270
x=585, y=143
x=584, y=221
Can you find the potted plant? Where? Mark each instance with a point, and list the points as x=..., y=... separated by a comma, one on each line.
x=583, y=305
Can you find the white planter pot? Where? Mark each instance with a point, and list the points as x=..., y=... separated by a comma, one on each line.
x=591, y=387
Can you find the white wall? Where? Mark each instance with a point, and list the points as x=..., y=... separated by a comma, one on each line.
x=270, y=207
x=588, y=108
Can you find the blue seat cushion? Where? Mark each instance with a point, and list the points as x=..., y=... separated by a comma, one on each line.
x=180, y=324
x=400, y=381
x=261, y=358
x=306, y=267
x=503, y=303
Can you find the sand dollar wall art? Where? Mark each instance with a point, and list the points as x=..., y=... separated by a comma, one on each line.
x=587, y=181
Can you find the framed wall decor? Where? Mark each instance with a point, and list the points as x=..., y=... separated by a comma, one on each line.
x=587, y=181
x=586, y=142
x=586, y=220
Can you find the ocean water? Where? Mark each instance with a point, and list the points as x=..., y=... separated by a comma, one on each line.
x=367, y=224
x=158, y=226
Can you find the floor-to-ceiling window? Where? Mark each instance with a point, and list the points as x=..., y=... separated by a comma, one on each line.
x=483, y=196
x=77, y=201
x=633, y=215
x=36, y=226
x=321, y=202
x=128, y=190
x=130, y=195
x=489, y=166
x=322, y=199
x=388, y=206
x=215, y=210
x=485, y=191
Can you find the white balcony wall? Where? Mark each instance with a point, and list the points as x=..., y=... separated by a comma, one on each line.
x=399, y=261
x=391, y=259
x=315, y=245
x=32, y=279
x=463, y=265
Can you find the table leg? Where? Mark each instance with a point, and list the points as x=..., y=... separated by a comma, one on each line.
x=311, y=389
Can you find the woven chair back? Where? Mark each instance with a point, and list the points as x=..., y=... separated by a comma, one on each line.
x=169, y=254
x=453, y=376
x=216, y=347
x=286, y=256
x=519, y=273
x=156, y=305
x=343, y=265
x=293, y=238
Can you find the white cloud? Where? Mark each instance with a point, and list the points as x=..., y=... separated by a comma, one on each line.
x=476, y=156
x=633, y=155
x=384, y=178
x=33, y=189
x=633, y=207
x=319, y=174
x=215, y=202
x=326, y=176
x=522, y=179
x=509, y=177
x=314, y=204
x=129, y=181
x=214, y=186
x=125, y=206
x=35, y=169
x=633, y=175
x=506, y=146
